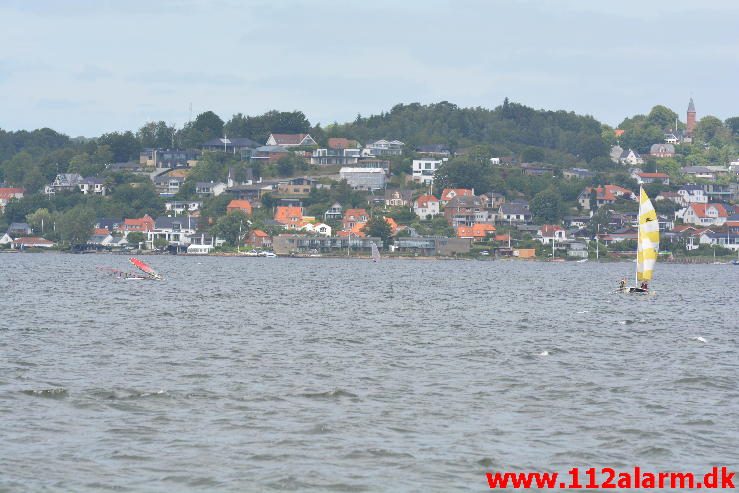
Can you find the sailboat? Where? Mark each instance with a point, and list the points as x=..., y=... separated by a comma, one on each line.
x=647, y=243
x=375, y=253
x=146, y=269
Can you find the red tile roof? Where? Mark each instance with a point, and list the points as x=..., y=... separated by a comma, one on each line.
x=447, y=195
x=355, y=213
x=423, y=200
x=288, y=214
x=340, y=143
x=260, y=233
x=700, y=209
x=239, y=205
x=653, y=175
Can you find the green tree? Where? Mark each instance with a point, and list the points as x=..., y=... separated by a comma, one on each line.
x=75, y=225
x=710, y=129
x=209, y=125
x=231, y=227
x=160, y=243
x=135, y=239
x=124, y=146
x=285, y=166
x=662, y=117
x=733, y=125
x=41, y=221
x=547, y=206
x=15, y=169
x=33, y=180
x=156, y=135
x=378, y=227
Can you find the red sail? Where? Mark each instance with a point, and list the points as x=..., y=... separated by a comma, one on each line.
x=141, y=265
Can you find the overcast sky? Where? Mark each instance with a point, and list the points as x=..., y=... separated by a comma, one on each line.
x=88, y=67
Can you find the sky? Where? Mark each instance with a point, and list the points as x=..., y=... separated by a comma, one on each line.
x=86, y=67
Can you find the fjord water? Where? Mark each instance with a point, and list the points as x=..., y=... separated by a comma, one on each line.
x=251, y=374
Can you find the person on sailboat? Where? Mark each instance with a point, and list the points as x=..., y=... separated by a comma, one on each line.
x=645, y=286
x=622, y=285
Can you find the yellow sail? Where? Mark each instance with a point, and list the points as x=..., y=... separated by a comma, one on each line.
x=648, y=238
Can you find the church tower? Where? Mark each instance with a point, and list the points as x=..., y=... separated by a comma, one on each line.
x=690, y=122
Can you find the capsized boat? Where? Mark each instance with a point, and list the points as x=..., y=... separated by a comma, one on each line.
x=145, y=268
x=647, y=241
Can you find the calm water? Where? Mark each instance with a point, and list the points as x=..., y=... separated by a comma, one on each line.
x=343, y=375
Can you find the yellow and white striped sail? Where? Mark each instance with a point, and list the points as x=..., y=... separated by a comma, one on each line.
x=648, y=238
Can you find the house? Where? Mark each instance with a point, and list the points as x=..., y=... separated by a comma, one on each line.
x=167, y=185
x=31, y=242
x=426, y=206
x=140, y=225
x=514, y=213
x=576, y=221
x=449, y=193
x=625, y=234
x=317, y=228
x=699, y=172
x=662, y=150
x=19, y=229
x=384, y=148
x=492, y=200
x=463, y=210
x=258, y=239
x=726, y=240
x=549, y=233
x=577, y=250
x=175, y=230
x=424, y=169
x=240, y=177
x=9, y=193
x=286, y=244
x=642, y=177
x=334, y=213
x=268, y=154
x=476, y=232
x=340, y=157
x=239, y=205
x=372, y=163
x=531, y=169
x=233, y=145
x=577, y=173
x=92, y=186
x=692, y=194
x=168, y=158
x=109, y=223
x=209, y=189
x=354, y=216
x=671, y=138
x=289, y=217
x=363, y=178
x=100, y=238
x=604, y=195
x=431, y=245
x=291, y=140
x=630, y=158
x=182, y=207
x=63, y=182
x=398, y=198
x=434, y=150
x=296, y=187
x=705, y=214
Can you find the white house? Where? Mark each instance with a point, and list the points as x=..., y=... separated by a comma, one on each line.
x=705, y=214
x=692, y=194
x=181, y=206
x=725, y=240
x=364, y=178
x=175, y=230
x=209, y=189
x=424, y=169
x=384, y=148
x=551, y=233
x=318, y=228
x=290, y=140
x=426, y=206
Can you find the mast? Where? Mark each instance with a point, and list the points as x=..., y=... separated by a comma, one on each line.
x=638, y=241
